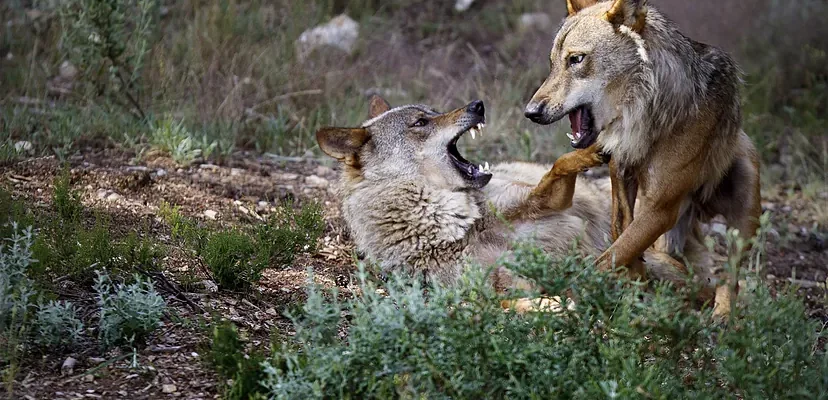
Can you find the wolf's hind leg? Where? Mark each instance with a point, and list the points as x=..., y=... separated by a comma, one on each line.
x=738, y=199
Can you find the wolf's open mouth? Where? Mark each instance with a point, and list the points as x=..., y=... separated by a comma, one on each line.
x=583, y=130
x=477, y=175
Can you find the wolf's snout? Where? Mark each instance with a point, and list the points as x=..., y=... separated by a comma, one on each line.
x=476, y=107
x=535, y=111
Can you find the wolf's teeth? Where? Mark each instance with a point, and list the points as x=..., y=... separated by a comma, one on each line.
x=486, y=166
x=473, y=132
x=569, y=135
x=479, y=167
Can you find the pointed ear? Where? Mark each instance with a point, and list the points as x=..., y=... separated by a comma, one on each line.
x=377, y=105
x=573, y=6
x=631, y=13
x=342, y=144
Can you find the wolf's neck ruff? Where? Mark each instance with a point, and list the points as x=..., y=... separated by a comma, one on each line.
x=664, y=93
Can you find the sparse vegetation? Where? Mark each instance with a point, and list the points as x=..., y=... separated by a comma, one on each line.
x=17, y=299
x=234, y=364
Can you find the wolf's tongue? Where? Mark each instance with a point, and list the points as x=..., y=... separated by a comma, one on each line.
x=575, y=121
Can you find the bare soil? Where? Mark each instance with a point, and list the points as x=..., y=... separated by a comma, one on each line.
x=242, y=191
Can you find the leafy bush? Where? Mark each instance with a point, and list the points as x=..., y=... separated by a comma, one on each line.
x=65, y=200
x=288, y=233
x=128, y=312
x=618, y=341
x=175, y=139
x=139, y=253
x=17, y=299
x=228, y=357
x=58, y=326
x=110, y=40
x=229, y=255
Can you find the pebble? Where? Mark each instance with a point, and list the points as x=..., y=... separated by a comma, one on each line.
x=168, y=388
x=210, y=214
x=317, y=181
x=23, y=146
x=68, y=366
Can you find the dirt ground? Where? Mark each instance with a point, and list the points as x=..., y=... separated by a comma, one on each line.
x=243, y=191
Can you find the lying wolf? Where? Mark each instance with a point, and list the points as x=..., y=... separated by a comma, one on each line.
x=414, y=204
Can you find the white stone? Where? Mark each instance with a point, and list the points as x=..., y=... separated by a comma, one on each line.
x=534, y=21
x=317, y=181
x=462, y=5
x=68, y=366
x=211, y=214
x=23, y=146
x=341, y=32
x=169, y=388
x=67, y=70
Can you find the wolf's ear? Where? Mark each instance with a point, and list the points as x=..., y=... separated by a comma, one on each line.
x=631, y=13
x=573, y=6
x=342, y=144
x=377, y=105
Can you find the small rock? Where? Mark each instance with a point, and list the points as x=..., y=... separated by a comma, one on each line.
x=114, y=197
x=323, y=170
x=89, y=378
x=209, y=286
x=316, y=181
x=262, y=205
x=103, y=193
x=534, y=21
x=287, y=177
x=23, y=146
x=341, y=33
x=236, y=171
x=462, y=5
x=160, y=173
x=210, y=214
x=68, y=366
x=168, y=388
x=96, y=360
x=67, y=70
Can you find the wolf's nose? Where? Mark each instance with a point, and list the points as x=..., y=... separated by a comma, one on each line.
x=476, y=107
x=534, y=111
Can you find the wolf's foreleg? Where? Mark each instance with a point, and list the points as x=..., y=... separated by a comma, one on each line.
x=556, y=189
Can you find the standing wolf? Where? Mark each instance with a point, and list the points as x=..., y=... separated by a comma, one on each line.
x=666, y=109
x=415, y=205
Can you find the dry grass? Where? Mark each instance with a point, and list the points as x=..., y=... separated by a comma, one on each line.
x=227, y=70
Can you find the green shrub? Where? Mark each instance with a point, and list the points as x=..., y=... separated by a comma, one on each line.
x=144, y=254
x=58, y=326
x=110, y=40
x=183, y=228
x=230, y=257
x=17, y=299
x=288, y=233
x=128, y=313
x=66, y=201
x=227, y=355
x=183, y=146
x=618, y=341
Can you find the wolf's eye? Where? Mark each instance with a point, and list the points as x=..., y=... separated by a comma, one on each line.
x=420, y=122
x=575, y=59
